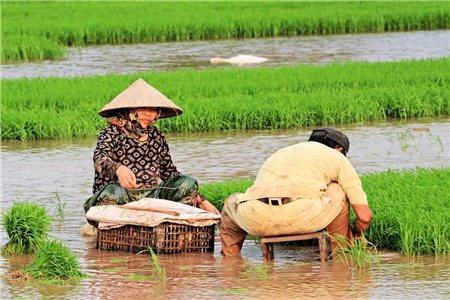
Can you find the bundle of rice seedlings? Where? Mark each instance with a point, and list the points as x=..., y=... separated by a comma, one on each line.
x=55, y=261
x=26, y=225
x=360, y=254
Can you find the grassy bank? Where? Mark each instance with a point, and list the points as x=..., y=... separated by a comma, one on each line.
x=410, y=208
x=42, y=30
x=229, y=99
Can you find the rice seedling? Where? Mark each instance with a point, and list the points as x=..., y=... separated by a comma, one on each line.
x=302, y=264
x=410, y=210
x=436, y=138
x=234, y=99
x=255, y=272
x=218, y=191
x=159, y=273
x=407, y=140
x=59, y=205
x=55, y=261
x=357, y=253
x=24, y=47
x=245, y=270
x=92, y=23
x=408, y=265
x=117, y=260
x=26, y=224
x=115, y=269
x=138, y=277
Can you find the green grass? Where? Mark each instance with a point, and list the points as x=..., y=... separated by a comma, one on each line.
x=411, y=208
x=26, y=224
x=55, y=261
x=38, y=29
x=234, y=99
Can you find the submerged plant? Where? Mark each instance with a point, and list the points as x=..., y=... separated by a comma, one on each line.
x=258, y=272
x=138, y=277
x=115, y=269
x=55, y=261
x=357, y=253
x=407, y=140
x=437, y=138
x=26, y=225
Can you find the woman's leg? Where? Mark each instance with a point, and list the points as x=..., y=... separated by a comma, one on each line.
x=110, y=194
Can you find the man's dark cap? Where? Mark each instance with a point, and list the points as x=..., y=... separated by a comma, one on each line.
x=332, y=134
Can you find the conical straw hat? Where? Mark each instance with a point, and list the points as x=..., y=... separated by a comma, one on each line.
x=141, y=94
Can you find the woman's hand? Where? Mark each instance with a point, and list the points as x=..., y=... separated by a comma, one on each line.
x=127, y=179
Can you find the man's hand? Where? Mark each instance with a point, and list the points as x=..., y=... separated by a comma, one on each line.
x=362, y=239
x=363, y=219
x=205, y=204
x=127, y=179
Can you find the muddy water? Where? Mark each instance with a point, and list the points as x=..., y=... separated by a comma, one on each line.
x=294, y=274
x=33, y=170
x=122, y=59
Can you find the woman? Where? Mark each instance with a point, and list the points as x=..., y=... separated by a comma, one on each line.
x=132, y=156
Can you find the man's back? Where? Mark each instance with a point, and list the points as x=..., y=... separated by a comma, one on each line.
x=304, y=170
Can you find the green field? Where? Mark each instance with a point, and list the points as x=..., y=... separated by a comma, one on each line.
x=234, y=99
x=43, y=29
x=411, y=208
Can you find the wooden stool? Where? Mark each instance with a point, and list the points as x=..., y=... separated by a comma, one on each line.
x=324, y=243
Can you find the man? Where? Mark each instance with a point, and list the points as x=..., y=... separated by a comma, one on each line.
x=300, y=189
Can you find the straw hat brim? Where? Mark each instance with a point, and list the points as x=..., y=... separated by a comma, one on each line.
x=141, y=94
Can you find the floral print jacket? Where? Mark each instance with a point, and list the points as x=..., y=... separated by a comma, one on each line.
x=149, y=160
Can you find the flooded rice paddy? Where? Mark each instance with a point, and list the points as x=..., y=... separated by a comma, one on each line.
x=35, y=169
x=171, y=56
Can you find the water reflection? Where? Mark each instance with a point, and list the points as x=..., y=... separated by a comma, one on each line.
x=293, y=275
x=171, y=56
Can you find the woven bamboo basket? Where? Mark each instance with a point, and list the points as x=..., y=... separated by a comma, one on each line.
x=165, y=238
